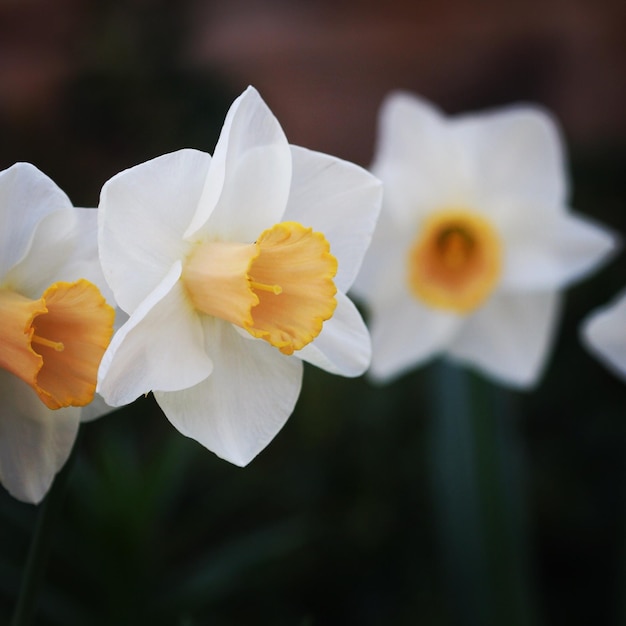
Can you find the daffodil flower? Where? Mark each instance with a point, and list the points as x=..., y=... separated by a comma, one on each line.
x=233, y=269
x=475, y=241
x=604, y=334
x=55, y=326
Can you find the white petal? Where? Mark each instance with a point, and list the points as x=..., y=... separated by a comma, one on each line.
x=26, y=196
x=416, y=158
x=343, y=347
x=406, y=334
x=64, y=247
x=143, y=214
x=604, y=334
x=35, y=442
x=552, y=253
x=247, y=399
x=339, y=199
x=84, y=260
x=54, y=239
x=383, y=273
x=248, y=183
x=161, y=347
x=510, y=337
x=513, y=153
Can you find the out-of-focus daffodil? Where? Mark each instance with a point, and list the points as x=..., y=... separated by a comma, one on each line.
x=475, y=241
x=604, y=334
x=55, y=326
x=233, y=268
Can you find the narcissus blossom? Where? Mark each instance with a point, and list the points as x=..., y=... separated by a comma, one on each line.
x=475, y=241
x=233, y=269
x=55, y=326
x=604, y=334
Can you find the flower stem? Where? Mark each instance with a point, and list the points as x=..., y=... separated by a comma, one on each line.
x=41, y=543
x=478, y=499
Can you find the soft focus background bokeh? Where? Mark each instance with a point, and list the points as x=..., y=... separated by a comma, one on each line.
x=335, y=522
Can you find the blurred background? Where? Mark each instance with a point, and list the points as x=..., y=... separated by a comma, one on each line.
x=339, y=520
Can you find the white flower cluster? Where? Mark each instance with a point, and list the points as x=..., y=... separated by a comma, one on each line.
x=230, y=270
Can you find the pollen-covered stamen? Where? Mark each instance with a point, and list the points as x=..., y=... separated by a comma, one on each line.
x=279, y=288
x=275, y=289
x=42, y=341
x=456, y=261
x=455, y=246
x=55, y=344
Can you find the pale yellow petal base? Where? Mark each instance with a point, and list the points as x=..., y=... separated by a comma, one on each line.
x=279, y=289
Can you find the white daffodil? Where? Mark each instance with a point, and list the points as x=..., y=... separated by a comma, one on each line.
x=475, y=241
x=233, y=268
x=55, y=326
x=604, y=334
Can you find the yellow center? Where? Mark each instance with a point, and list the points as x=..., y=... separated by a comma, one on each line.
x=55, y=343
x=279, y=288
x=455, y=262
